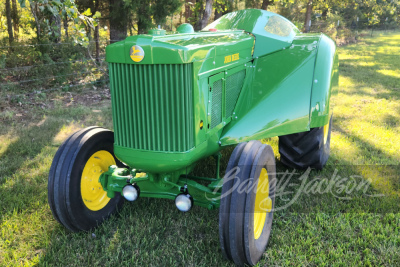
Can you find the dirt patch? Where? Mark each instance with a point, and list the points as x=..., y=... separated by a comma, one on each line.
x=26, y=106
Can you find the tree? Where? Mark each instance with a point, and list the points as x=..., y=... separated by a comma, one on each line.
x=15, y=18
x=145, y=11
x=118, y=20
x=252, y=3
x=188, y=10
x=9, y=22
x=307, y=22
x=204, y=15
x=222, y=7
x=48, y=21
x=266, y=3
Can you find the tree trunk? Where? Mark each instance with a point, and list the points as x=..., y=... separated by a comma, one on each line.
x=308, y=16
x=141, y=25
x=96, y=33
x=9, y=22
x=180, y=17
x=118, y=20
x=203, y=19
x=266, y=3
x=187, y=10
x=55, y=24
x=15, y=18
x=65, y=22
x=219, y=14
x=96, y=40
x=324, y=14
x=34, y=10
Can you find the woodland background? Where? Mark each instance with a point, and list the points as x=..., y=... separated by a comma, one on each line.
x=59, y=45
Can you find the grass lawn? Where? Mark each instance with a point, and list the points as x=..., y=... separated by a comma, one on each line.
x=334, y=227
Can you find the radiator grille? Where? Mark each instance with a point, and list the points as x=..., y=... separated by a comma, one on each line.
x=216, y=107
x=153, y=106
x=234, y=85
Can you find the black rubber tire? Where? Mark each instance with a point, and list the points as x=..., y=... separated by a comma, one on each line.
x=238, y=204
x=64, y=194
x=306, y=149
x=226, y=200
x=236, y=217
x=255, y=248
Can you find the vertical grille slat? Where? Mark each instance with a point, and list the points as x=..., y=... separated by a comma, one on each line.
x=153, y=106
x=216, y=111
x=234, y=85
x=120, y=102
x=142, y=111
x=135, y=109
x=173, y=106
x=132, y=101
x=127, y=102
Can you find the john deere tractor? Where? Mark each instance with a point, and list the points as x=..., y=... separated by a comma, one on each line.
x=179, y=98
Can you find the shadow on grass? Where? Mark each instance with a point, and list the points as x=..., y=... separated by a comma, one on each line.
x=147, y=232
x=22, y=171
x=341, y=187
x=371, y=75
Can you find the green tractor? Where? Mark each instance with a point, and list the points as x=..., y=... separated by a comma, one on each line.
x=179, y=98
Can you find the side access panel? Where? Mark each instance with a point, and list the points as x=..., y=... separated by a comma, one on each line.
x=276, y=99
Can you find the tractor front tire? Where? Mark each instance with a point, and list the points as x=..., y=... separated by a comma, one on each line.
x=249, y=192
x=76, y=198
x=306, y=149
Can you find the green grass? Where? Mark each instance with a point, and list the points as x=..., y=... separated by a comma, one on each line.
x=318, y=229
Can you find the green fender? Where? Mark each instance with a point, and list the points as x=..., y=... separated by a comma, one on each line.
x=326, y=82
x=288, y=91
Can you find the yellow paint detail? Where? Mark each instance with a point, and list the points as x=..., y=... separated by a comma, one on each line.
x=231, y=58
x=93, y=195
x=136, y=53
x=326, y=131
x=263, y=203
x=201, y=124
x=235, y=57
x=228, y=59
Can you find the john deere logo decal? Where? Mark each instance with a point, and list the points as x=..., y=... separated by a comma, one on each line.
x=136, y=53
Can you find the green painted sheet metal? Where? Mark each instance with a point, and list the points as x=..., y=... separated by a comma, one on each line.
x=276, y=98
x=158, y=161
x=182, y=48
x=326, y=82
x=255, y=21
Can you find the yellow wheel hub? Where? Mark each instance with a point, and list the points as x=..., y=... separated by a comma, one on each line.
x=326, y=131
x=93, y=195
x=263, y=203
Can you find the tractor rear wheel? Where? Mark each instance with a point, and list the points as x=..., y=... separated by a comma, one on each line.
x=76, y=198
x=306, y=149
x=245, y=227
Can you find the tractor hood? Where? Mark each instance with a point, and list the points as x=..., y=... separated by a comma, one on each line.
x=180, y=48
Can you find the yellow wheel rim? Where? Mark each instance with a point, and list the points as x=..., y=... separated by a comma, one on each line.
x=263, y=203
x=93, y=195
x=326, y=131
